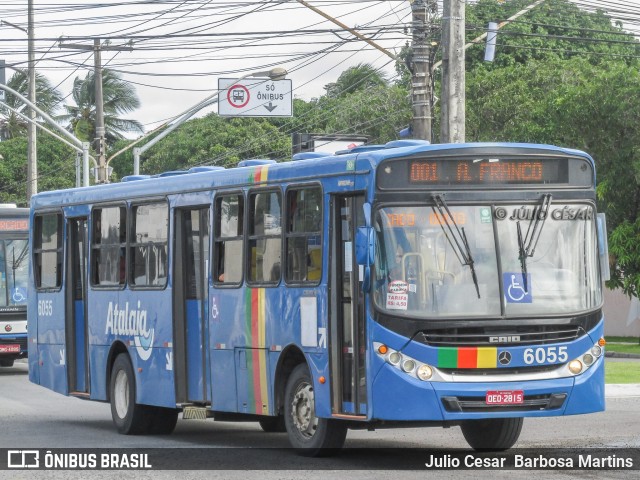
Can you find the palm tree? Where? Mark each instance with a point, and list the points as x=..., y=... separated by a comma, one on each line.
x=359, y=77
x=119, y=98
x=47, y=98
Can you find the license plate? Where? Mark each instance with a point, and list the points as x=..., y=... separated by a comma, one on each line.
x=10, y=348
x=505, y=397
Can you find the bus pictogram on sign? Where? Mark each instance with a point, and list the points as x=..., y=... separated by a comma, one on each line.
x=238, y=96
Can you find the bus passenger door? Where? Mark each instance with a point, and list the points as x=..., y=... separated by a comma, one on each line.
x=191, y=331
x=76, y=310
x=347, y=339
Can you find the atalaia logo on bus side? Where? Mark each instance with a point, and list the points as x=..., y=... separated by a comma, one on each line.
x=132, y=323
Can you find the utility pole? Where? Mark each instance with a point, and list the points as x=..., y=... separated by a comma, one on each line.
x=452, y=128
x=32, y=151
x=100, y=144
x=423, y=12
x=100, y=131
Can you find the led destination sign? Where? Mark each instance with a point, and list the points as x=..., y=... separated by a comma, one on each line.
x=495, y=171
x=488, y=171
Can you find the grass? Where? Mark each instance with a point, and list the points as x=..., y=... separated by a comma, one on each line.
x=623, y=345
x=622, y=339
x=622, y=372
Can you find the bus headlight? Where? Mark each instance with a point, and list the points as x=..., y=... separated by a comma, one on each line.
x=575, y=366
x=585, y=361
x=425, y=372
x=394, y=358
x=406, y=364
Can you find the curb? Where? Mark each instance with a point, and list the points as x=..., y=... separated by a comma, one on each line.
x=625, y=390
x=621, y=355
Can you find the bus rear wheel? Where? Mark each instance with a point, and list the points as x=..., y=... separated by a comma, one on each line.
x=492, y=434
x=308, y=434
x=129, y=417
x=6, y=362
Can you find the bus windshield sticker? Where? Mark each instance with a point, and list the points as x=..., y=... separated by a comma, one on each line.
x=397, y=301
x=398, y=286
x=309, y=321
x=485, y=215
x=514, y=287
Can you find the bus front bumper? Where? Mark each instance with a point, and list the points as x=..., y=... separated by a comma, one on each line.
x=396, y=396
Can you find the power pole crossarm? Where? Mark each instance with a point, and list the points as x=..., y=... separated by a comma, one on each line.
x=349, y=29
x=97, y=78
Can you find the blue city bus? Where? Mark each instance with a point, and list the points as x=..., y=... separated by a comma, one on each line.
x=387, y=285
x=14, y=276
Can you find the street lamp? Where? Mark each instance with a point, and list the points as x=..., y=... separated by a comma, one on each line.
x=276, y=73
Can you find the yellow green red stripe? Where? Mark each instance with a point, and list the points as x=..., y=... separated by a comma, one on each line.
x=468, y=357
x=255, y=329
x=259, y=174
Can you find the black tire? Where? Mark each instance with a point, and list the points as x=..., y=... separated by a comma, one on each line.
x=273, y=424
x=309, y=435
x=493, y=434
x=162, y=420
x=129, y=417
x=6, y=362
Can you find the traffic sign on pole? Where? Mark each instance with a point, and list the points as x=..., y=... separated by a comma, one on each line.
x=254, y=97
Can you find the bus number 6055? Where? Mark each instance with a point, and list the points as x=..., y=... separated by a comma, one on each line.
x=545, y=355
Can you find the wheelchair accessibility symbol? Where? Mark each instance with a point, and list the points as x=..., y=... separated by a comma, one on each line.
x=514, y=288
x=19, y=295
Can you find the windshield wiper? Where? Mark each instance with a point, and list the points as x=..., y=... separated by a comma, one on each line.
x=522, y=256
x=459, y=244
x=527, y=245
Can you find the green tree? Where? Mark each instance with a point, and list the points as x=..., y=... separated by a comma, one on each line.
x=119, y=98
x=47, y=99
x=56, y=167
x=360, y=77
x=215, y=140
x=555, y=29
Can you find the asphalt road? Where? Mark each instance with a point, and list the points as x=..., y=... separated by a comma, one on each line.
x=34, y=417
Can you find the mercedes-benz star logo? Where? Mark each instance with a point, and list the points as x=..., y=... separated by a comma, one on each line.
x=504, y=358
x=8, y=328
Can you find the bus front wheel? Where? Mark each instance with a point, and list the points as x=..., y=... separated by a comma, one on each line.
x=308, y=434
x=129, y=417
x=492, y=434
x=6, y=362
x=273, y=424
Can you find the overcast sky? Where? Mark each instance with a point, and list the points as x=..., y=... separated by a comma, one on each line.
x=211, y=39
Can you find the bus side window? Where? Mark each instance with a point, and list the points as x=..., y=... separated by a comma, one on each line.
x=108, y=241
x=265, y=237
x=228, y=239
x=47, y=251
x=149, y=234
x=303, y=235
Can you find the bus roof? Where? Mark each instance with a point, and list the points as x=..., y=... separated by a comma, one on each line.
x=301, y=168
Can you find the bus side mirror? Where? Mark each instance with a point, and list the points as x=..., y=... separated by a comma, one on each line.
x=365, y=247
x=365, y=241
x=603, y=246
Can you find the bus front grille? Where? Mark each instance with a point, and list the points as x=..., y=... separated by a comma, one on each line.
x=478, y=404
x=521, y=335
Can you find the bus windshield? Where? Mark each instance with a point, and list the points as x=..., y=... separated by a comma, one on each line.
x=14, y=272
x=525, y=263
